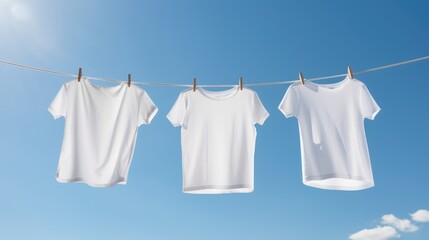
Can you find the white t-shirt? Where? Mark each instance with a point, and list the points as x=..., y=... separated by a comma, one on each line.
x=218, y=138
x=101, y=125
x=331, y=117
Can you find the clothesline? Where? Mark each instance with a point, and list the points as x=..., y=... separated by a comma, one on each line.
x=211, y=85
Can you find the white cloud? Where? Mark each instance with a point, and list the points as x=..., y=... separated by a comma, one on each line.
x=420, y=216
x=403, y=225
x=378, y=233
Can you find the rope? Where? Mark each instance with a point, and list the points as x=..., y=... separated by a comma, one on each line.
x=213, y=85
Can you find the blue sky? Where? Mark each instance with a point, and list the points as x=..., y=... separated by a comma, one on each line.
x=215, y=41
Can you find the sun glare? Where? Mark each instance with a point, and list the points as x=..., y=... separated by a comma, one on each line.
x=20, y=11
x=14, y=11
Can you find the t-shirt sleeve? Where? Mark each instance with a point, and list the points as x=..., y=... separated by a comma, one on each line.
x=369, y=108
x=147, y=109
x=260, y=114
x=59, y=104
x=177, y=113
x=288, y=105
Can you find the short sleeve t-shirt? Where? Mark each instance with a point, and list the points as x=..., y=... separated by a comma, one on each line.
x=218, y=138
x=101, y=125
x=334, y=149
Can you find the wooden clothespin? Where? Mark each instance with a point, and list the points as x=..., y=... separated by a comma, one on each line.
x=350, y=72
x=301, y=78
x=79, y=76
x=241, y=83
x=195, y=84
x=129, y=80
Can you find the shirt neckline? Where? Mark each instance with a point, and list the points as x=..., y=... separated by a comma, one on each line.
x=108, y=88
x=330, y=87
x=230, y=93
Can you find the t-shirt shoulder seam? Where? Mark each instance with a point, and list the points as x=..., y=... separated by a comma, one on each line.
x=140, y=90
x=357, y=81
x=294, y=86
x=186, y=90
x=70, y=82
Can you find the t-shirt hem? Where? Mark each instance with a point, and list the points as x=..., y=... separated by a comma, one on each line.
x=263, y=118
x=372, y=117
x=219, y=189
x=170, y=119
x=316, y=182
x=155, y=111
x=92, y=184
x=287, y=115
x=54, y=114
x=151, y=116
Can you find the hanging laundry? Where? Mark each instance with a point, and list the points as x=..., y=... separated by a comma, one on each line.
x=218, y=138
x=101, y=125
x=331, y=117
